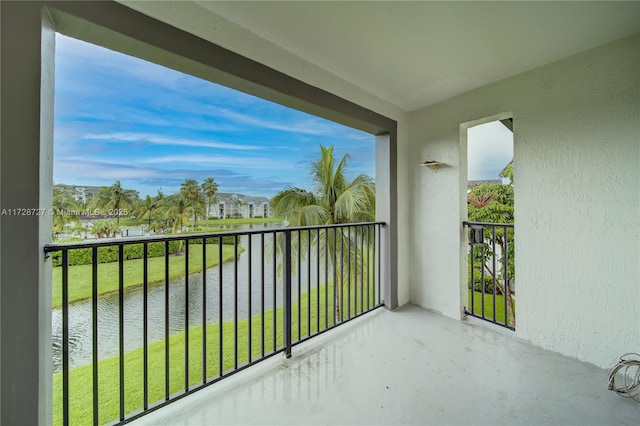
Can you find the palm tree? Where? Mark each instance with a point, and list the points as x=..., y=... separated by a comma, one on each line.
x=65, y=206
x=179, y=209
x=335, y=200
x=160, y=202
x=190, y=190
x=104, y=228
x=209, y=188
x=114, y=197
x=145, y=208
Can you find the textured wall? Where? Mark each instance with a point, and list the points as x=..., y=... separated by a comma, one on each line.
x=577, y=163
x=25, y=291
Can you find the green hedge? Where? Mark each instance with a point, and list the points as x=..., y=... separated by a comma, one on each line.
x=131, y=251
x=110, y=254
x=488, y=281
x=227, y=239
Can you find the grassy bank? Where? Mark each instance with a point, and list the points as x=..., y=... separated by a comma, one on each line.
x=80, y=379
x=80, y=277
x=239, y=221
x=488, y=305
x=202, y=224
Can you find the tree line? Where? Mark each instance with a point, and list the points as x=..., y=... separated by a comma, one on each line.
x=162, y=212
x=335, y=199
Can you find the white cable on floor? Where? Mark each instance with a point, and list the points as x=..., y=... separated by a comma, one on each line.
x=630, y=388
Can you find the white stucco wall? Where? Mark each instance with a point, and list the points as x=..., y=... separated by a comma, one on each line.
x=194, y=19
x=577, y=191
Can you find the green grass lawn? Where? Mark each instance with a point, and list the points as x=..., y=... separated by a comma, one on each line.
x=202, y=224
x=127, y=221
x=80, y=379
x=80, y=277
x=239, y=221
x=488, y=305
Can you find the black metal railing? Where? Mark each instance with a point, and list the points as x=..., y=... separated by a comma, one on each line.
x=141, y=322
x=491, y=272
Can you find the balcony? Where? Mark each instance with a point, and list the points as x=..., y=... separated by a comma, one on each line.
x=575, y=115
x=410, y=366
x=142, y=322
x=280, y=358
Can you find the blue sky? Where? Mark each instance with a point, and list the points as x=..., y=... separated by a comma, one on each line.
x=122, y=118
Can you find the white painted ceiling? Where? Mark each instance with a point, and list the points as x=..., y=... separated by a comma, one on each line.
x=414, y=54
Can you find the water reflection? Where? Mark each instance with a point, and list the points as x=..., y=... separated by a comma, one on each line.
x=179, y=302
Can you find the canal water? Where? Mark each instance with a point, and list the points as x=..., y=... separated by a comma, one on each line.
x=80, y=314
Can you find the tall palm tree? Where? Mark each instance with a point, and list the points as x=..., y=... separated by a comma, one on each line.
x=190, y=190
x=114, y=197
x=209, y=189
x=178, y=208
x=335, y=200
x=145, y=208
x=65, y=206
x=160, y=202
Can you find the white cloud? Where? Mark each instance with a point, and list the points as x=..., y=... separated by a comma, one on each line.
x=163, y=140
x=489, y=150
x=81, y=169
x=121, y=118
x=307, y=126
x=246, y=163
x=79, y=53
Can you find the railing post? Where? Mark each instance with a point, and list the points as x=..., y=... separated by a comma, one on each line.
x=476, y=238
x=368, y=248
x=65, y=337
x=287, y=293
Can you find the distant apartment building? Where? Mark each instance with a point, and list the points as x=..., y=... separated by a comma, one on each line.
x=83, y=193
x=233, y=205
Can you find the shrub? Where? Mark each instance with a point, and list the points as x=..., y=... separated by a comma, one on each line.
x=227, y=239
x=488, y=281
x=69, y=240
x=109, y=254
x=131, y=251
x=105, y=228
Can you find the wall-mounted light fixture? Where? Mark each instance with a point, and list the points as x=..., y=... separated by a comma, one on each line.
x=433, y=165
x=476, y=235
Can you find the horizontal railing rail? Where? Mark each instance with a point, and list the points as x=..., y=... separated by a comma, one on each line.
x=145, y=321
x=488, y=224
x=491, y=272
x=103, y=242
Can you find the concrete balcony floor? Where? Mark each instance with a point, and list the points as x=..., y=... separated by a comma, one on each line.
x=410, y=367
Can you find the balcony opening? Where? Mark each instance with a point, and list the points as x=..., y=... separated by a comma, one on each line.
x=194, y=234
x=490, y=224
